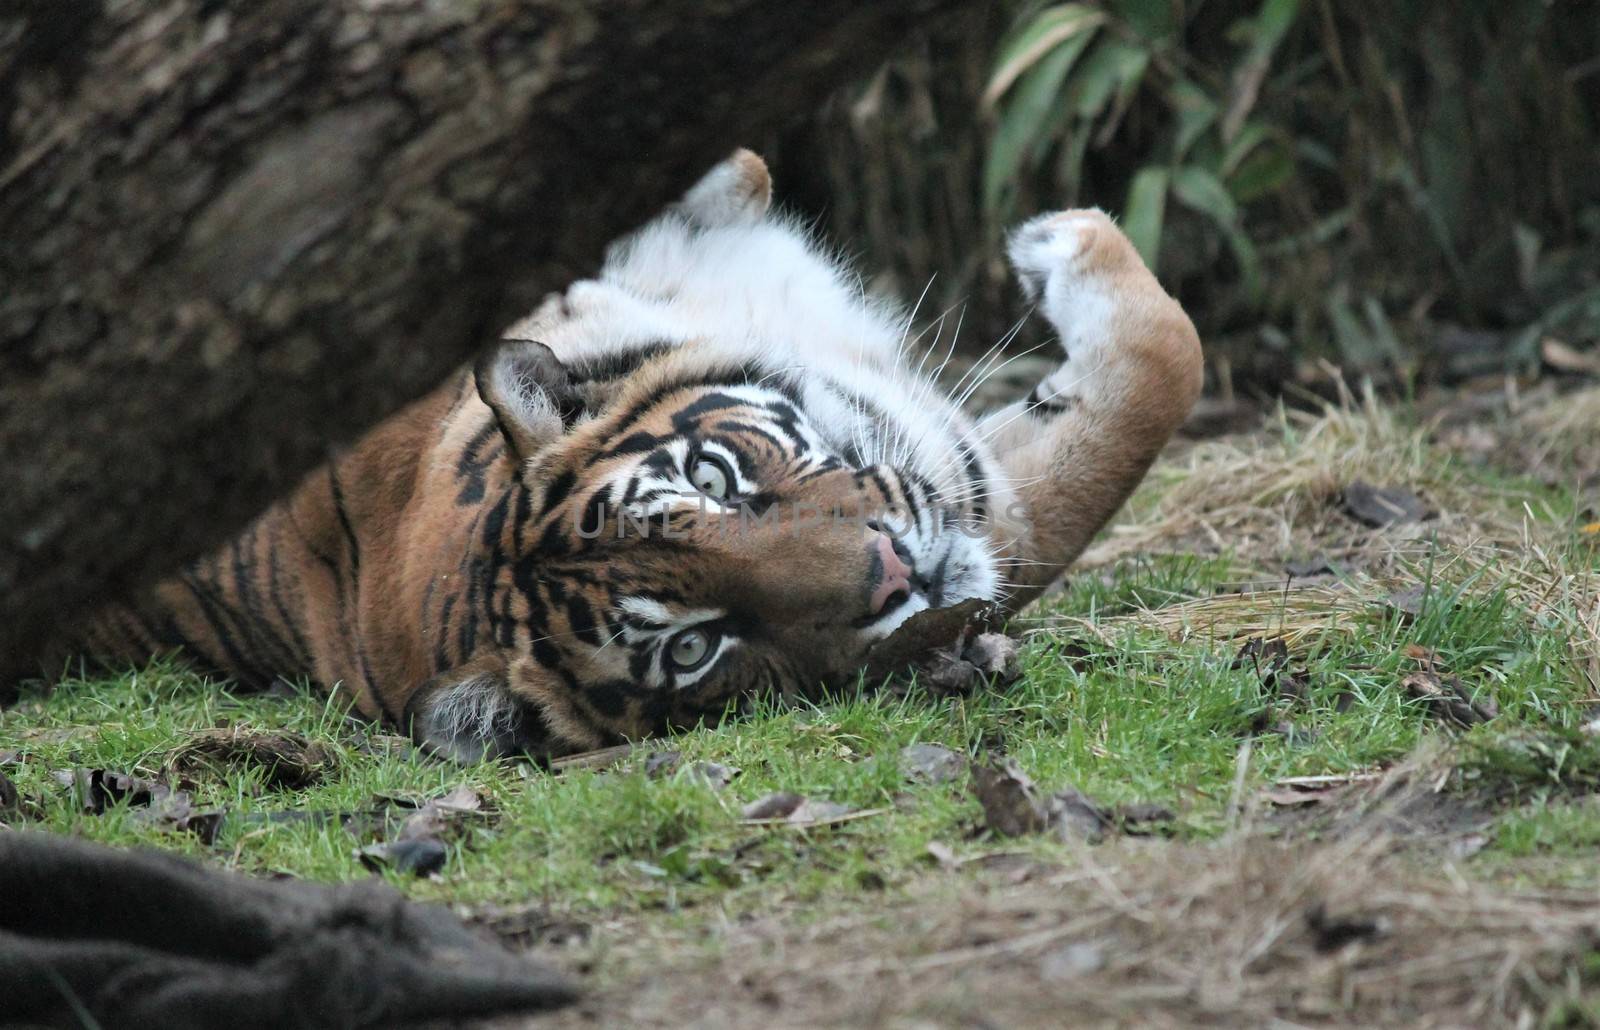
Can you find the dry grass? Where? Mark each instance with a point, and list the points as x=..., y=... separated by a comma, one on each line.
x=1563, y=434
x=1274, y=493
x=1249, y=932
x=1271, y=497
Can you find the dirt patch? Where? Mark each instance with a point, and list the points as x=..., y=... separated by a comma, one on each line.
x=1247, y=933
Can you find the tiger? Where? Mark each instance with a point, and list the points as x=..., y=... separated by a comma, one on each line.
x=713, y=472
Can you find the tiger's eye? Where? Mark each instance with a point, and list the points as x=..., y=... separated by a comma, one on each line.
x=689, y=648
x=711, y=476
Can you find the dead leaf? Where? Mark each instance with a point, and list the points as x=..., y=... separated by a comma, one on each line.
x=1409, y=601
x=152, y=803
x=1011, y=805
x=777, y=805
x=793, y=810
x=1382, y=506
x=1447, y=698
x=418, y=857
x=1565, y=358
x=99, y=789
x=662, y=763
x=1073, y=816
x=942, y=854
x=1318, y=565
x=1466, y=846
x=1592, y=529
x=459, y=800
x=713, y=774
x=288, y=761
x=442, y=816
x=931, y=763
x=817, y=813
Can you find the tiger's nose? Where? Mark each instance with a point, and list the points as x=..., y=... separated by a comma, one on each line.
x=891, y=575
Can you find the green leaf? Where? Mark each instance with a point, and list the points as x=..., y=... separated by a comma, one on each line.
x=1201, y=191
x=1349, y=335
x=1263, y=172
x=1195, y=112
x=1265, y=31
x=1273, y=22
x=1383, y=334
x=1249, y=136
x=1019, y=132
x=1111, y=67
x=1205, y=193
x=1145, y=210
x=1052, y=27
x=1150, y=20
x=1069, y=168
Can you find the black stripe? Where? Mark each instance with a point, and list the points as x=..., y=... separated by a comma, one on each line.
x=727, y=376
x=275, y=594
x=344, y=517
x=217, y=620
x=616, y=364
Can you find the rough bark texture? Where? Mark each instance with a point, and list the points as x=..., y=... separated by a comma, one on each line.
x=237, y=234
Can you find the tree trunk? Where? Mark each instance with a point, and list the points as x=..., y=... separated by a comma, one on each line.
x=234, y=235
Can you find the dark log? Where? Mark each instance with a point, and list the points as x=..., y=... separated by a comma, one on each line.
x=98, y=936
x=234, y=235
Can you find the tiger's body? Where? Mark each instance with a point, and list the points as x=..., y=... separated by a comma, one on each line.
x=671, y=488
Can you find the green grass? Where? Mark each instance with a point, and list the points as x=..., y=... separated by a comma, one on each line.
x=1109, y=704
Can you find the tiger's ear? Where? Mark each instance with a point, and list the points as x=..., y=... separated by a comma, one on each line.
x=736, y=192
x=528, y=389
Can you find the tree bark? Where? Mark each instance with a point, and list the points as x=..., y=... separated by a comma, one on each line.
x=234, y=235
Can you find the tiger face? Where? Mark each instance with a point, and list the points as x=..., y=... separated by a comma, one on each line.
x=687, y=537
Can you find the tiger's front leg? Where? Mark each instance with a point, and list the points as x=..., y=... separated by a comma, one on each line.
x=1084, y=438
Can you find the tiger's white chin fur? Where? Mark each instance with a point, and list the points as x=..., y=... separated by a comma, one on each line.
x=737, y=281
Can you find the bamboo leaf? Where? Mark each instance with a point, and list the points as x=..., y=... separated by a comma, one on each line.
x=1143, y=214
x=1112, y=66
x=1195, y=111
x=1249, y=136
x=1262, y=173
x=1200, y=190
x=1019, y=133
x=1052, y=27
x=1266, y=30
x=1149, y=19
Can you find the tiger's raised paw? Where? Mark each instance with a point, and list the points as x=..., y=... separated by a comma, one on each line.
x=1055, y=253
